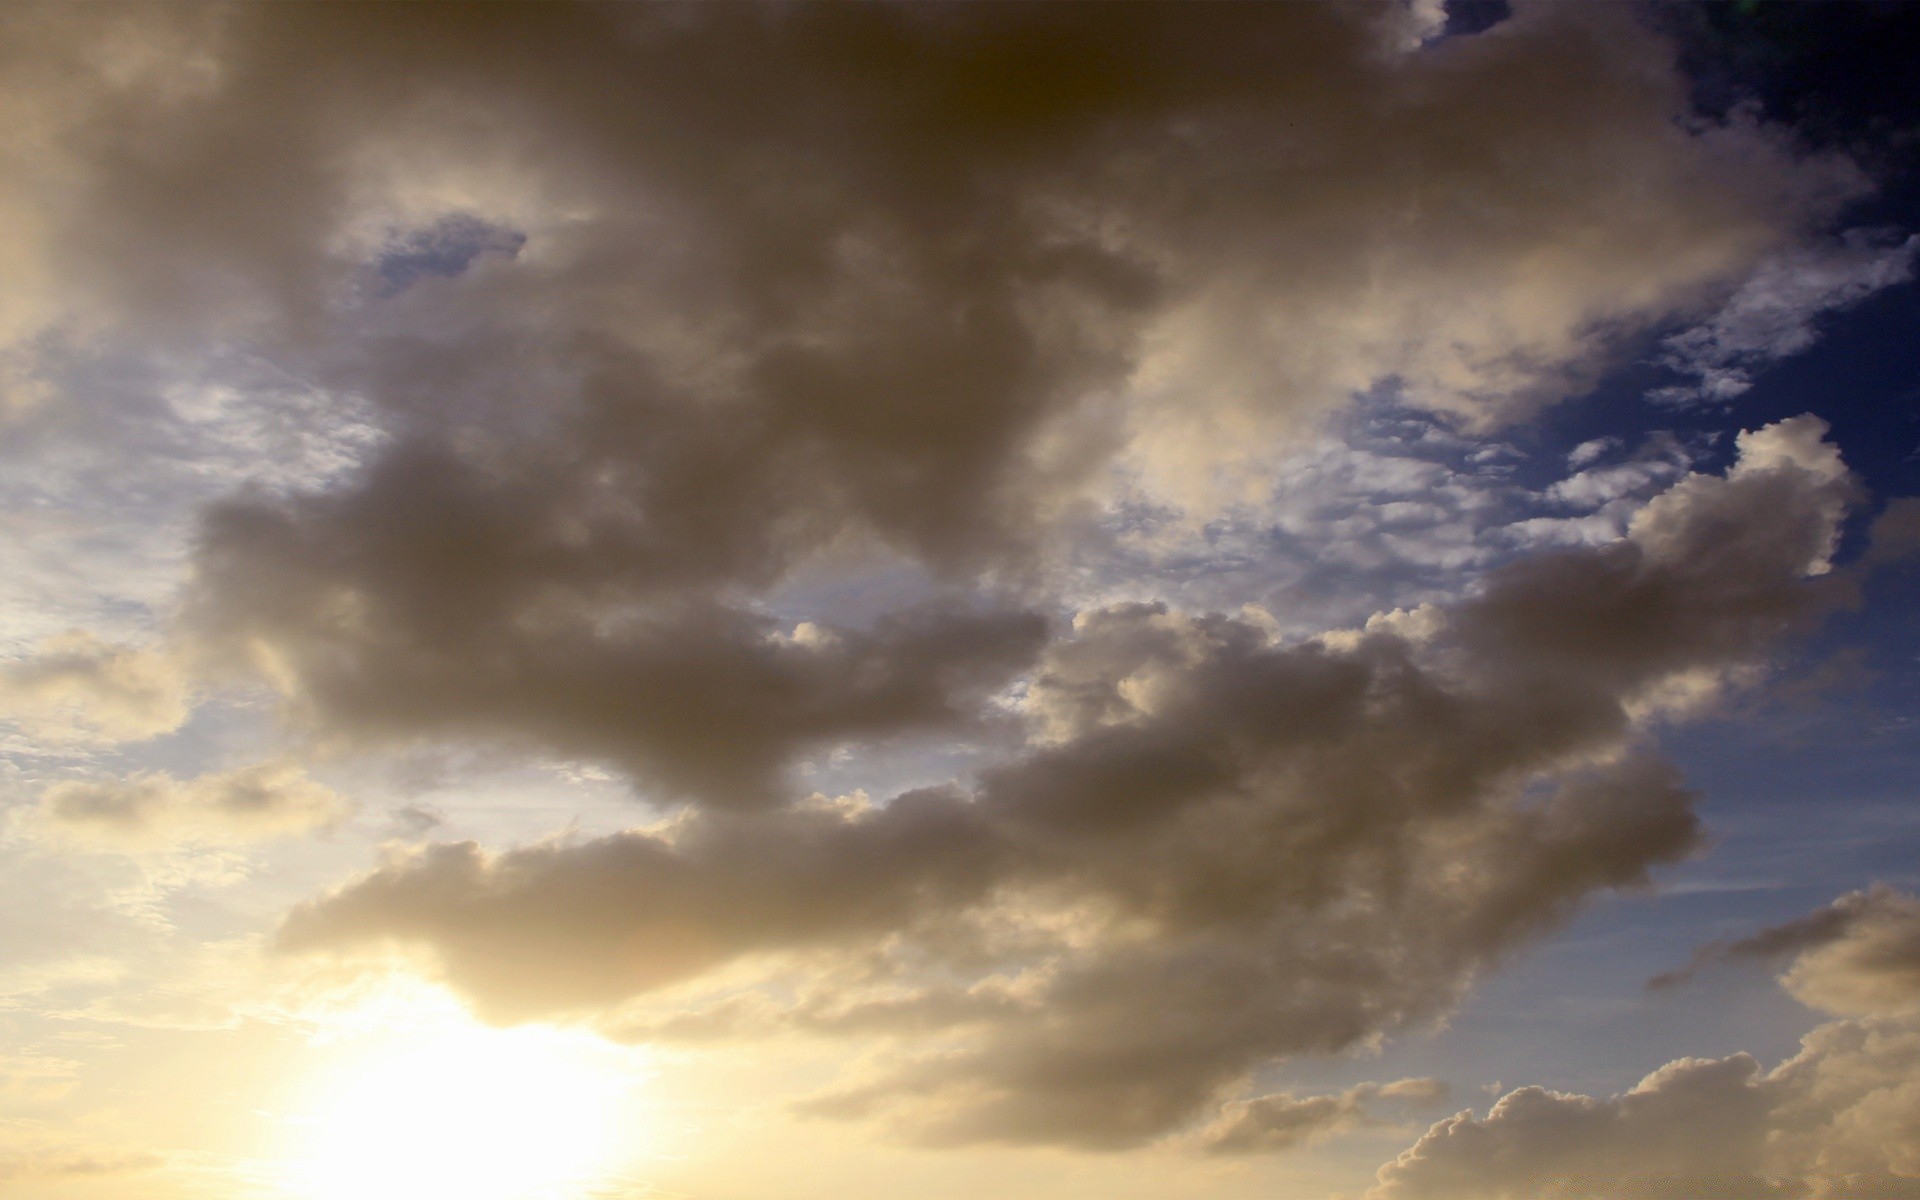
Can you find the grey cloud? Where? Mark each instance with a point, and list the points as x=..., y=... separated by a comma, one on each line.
x=1694, y=1128
x=1839, y=1120
x=1220, y=850
x=1591, y=451
x=417, y=820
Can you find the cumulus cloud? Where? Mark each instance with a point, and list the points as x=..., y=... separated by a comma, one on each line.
x=76, y=687
x=1220, y=848
x=154, y=809
x=1840, y=1119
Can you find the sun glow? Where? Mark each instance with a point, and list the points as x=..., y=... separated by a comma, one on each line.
x=465, y=1111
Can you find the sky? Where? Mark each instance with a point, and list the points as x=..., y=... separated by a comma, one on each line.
x=906, y=601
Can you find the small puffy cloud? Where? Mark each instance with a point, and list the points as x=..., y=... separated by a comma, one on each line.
x=150, y=810
x=1589, y=452
x=1219, y=848
x=1840, y=1120
x=76, y=687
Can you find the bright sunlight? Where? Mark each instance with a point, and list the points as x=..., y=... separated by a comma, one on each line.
x=463, y=1110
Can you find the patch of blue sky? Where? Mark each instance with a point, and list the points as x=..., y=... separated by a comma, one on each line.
x=444, y=249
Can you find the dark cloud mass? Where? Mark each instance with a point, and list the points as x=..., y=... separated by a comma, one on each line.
x=1223, y=849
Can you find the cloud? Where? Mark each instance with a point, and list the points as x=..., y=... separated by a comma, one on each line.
x=1775, y=314
x=63, y=1165
x=1589, y=451
x=1866, y=963
x=1218, y=850
x=1841, y=1119
x=154, y=809
x=381, y=643
x=1895, y=534
x=1282, y=1121
x=654, y=308
x=645, y=316
x=75, y=687
x=1832, y=923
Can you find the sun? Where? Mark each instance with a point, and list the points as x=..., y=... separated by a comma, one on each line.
x=464, y=1111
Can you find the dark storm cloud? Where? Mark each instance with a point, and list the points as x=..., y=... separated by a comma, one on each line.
x=1221, y=849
